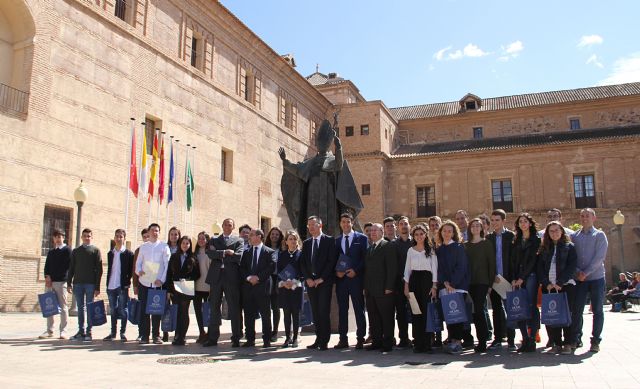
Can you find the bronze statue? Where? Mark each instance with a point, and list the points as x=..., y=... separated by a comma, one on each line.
x=322, y=185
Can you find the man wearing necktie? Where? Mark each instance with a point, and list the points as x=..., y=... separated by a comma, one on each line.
x=317, y=263
x=351, y=247
x=256, y=268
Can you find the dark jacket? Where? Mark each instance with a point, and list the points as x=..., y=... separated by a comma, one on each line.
x=381, y=268
x=189, y=270
x=566, y=261
x=357, y=251
x=402, y=247
x=57, y=264
x=324, y=264
x=507, y=244
x=126, y=267
x=263, y=270
x=453, y=265
x=524, y=258
x=215, y=251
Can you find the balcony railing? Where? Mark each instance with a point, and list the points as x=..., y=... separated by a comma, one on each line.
x=14, y=99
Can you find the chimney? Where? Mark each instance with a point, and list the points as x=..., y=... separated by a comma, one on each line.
x=290, y=60
x=333, y=75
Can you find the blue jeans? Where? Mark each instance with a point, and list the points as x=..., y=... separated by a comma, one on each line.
x=533, y=324
x=118, y=303
x=594, y=288
x=84, y=295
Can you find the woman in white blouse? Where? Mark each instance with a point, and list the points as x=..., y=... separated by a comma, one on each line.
x=420, y=278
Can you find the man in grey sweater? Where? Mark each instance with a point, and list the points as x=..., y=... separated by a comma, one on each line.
x=85, y=272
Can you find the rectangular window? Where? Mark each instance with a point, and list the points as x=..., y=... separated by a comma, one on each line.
x=477, y=132
x=364, y=129
x=265, y=224
x=502, y=195
x=121, y=9
x=470, y=105
x=348, y=131
x=574, y=124
x=426, y=200
x=584, y=191
x=366, y=189
x=55, y=218
x=226, y=165
x=149, y=132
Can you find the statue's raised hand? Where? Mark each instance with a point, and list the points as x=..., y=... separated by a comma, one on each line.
x=281, y=152
x=337, y=142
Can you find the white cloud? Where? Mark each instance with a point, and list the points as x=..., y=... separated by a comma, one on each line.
x=594, y=60
x=590, y=40
x=470, y=50
x=511, y=50
x=626, y=69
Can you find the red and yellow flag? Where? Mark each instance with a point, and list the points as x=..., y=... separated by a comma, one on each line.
x=154, y=167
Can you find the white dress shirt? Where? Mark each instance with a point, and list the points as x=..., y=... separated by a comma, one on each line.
x=417, y=260
x=154, y=252
x=114, y=281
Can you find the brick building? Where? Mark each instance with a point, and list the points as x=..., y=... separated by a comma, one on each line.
x=73, y=73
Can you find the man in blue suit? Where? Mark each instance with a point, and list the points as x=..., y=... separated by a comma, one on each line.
x=351, y=249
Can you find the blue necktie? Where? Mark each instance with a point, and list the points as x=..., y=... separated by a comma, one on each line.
x=255, y=260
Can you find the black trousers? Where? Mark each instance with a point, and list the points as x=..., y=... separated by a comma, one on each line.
x=400, y=306
x=320, y=299
x=147, y=320
x=199, y=299
x=182, y=325
x=380, y=310
x=478, y=295
x=255, y=300
x=275, y=310
x=291, y=316
x=555, y=333
x=420, y=284
x=500, y=318
x=231, y=289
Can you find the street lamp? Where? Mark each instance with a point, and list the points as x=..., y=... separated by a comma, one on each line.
x=618, y=220
x=80, y=195
x=216, y=228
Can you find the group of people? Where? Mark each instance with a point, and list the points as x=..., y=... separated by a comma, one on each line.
x=380, y=271
x=624, y=291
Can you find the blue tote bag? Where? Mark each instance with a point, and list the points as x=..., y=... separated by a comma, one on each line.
x=306, y=314
x=555, y=310
x=454, y=308
x=434, y=317
x=49, y=304
x=134, y=311
x=156, y=302
x=96, y=313
x=517, y=305
x=206, y=313
x=170, y=318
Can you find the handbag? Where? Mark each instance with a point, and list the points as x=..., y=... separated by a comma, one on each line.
x=134, y=311
x=434, y=317
x=555, y=310
x=454, y=308
x=170, y=318
x=49, y=304
x=96, y=314
x=517, y=305
x=156, y=302
x=306, y=314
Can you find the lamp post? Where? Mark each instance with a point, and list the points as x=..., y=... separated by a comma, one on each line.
x=618, y=220
x=80, y=195
x=216, y=228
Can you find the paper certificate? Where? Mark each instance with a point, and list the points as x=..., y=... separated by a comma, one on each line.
x=184, y=287
x=502, y=287
x=415, y=307
x=150, y=270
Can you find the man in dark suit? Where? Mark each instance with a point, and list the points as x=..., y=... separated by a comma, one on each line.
x=119, y=272
x=379, y=282
x=352, y=245
x=256, y=267
x=402, y=244
x=501, y=238
x=225, y=252
x=317, y=263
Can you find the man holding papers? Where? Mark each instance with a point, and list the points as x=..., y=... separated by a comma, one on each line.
x=351, y=249
x=151, y=267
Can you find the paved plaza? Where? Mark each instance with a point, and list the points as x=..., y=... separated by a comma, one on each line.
x=27, y=362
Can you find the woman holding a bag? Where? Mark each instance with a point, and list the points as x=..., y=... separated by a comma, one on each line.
x=558, y=260
x=523, y=268
x=290, y=289
x=421, y=278
x=202, y=288
x=182, y=267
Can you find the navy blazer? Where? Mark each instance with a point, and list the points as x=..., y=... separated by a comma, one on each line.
x=453, y=265
x=126, y=267
x=566, y=262
x=263, y=270
x=325, y=261
x=357, y=250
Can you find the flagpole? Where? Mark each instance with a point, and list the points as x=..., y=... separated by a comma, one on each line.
x=126, y=187
x=186, y=165
x=158, y=168
x=193, y=198
x=143, y=143
x=169, y=185
x=176, y=191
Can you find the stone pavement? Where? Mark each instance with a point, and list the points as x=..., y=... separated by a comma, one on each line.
x=27, y=362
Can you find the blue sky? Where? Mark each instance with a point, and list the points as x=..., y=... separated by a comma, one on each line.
x=417, y=52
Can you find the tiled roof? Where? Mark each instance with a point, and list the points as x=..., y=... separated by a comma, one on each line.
x=574, y=136
x=518, y=101
x=318, y=78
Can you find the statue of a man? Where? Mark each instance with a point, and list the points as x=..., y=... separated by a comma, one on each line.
x=321, y=186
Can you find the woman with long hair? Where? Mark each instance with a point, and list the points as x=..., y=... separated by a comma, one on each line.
x=482, y=268
x=523, y=267
x=182, y=266
x=202, y=288
x=453, y=274
x=173, y=236
x=290, y=290
x=557, y=266
x=421, y=279
x=274, y=240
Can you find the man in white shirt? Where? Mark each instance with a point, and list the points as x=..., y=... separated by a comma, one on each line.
x=156, y=253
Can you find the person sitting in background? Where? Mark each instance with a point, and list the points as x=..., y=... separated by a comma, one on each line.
x=614, y=293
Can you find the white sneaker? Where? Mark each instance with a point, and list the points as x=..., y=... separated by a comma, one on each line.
x=63, y=335
x=46, y=335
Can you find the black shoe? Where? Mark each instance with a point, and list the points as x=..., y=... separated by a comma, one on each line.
x=144, y=341
x=404, y=343
x=360, y=344
x=523, y=346
x=341, y=344
x=78, y=336
x=467, y=344
x=368, y=340
x=165, y=336
x=531, y=347
x=274, y=337
x=480, y=348
x=178, y=342
x=323, y=347
x=266, y=344
x=372, y=347
x=294, y=342
x=437, y=344
x=579, y=344
x=123, y=337
x=249, y=344
x=495, y=345
x=287, y=343
x=109, y=338
x=312, y=346
x=209, y=343
x=235, y=344
x=386, y=349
